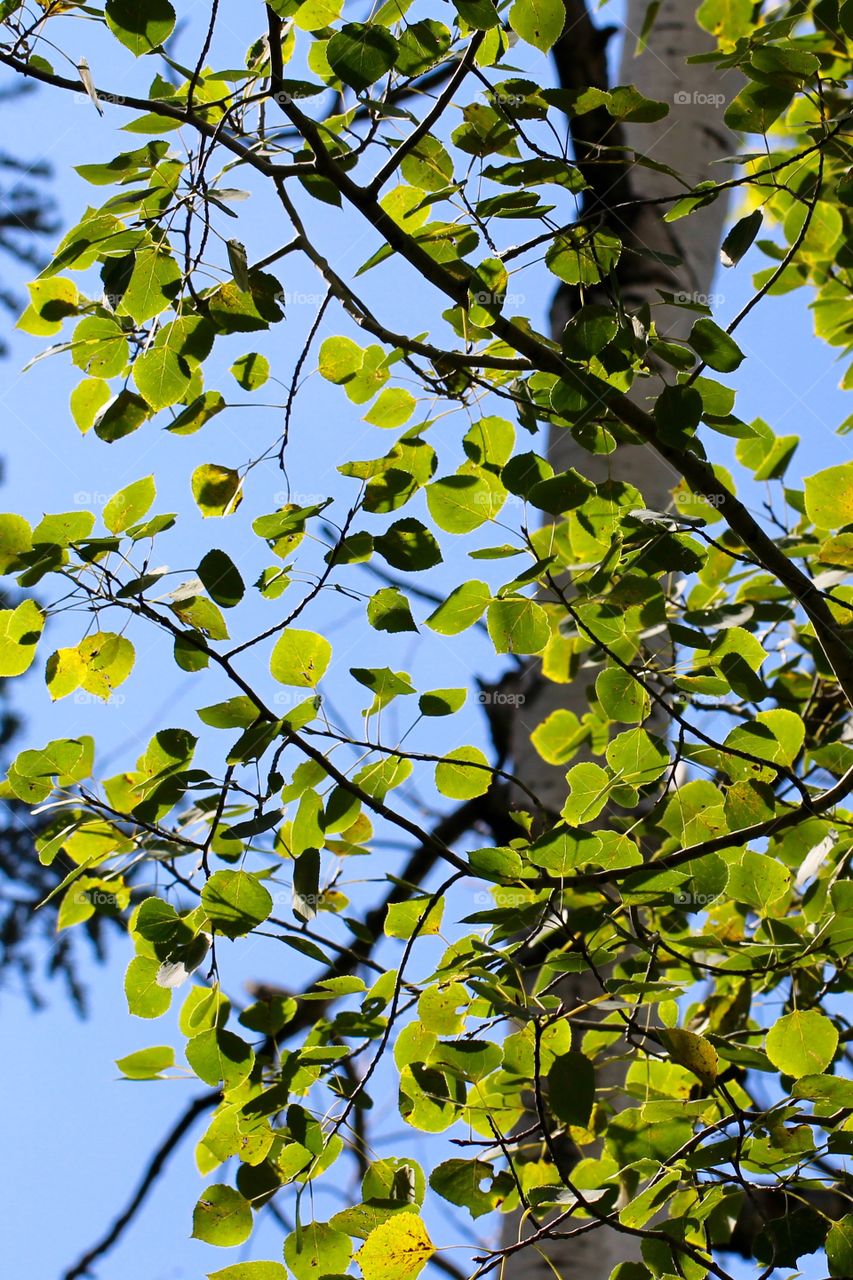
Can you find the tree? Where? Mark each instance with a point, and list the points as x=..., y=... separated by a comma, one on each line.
x=682, y=862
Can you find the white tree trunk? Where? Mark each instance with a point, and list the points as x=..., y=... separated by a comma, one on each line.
x=689, y=140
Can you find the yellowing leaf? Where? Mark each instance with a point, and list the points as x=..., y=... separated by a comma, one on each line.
x=802, y=1043
x=693, y=1052
x=217, y=490
x=20, y=630
x=398, y=1249
x=300, y=658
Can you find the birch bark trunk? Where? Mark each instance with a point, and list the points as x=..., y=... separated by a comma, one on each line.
x=688, y=140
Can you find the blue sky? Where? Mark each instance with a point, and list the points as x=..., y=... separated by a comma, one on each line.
x=76, y=1134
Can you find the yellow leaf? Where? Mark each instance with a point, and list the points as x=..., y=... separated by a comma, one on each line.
x=396, y=1250
x=693, y=1052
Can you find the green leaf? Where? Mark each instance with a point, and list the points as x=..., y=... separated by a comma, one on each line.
x=251, y=371
x=162, y=376
x=589, y=785
x=388, y=610
x=538, y=22
x=121, y=416
x=141, y=25
x=145, y=997
x=802, y=1043
x=462, y=608
x=518, y=625
x=458, y=777
x=146, y=1064
x=622, y=696
x=442, y=702
x=839, y=1241
x=380, y=778
x=300, y=658
x=740, y=238
x=218, y=1057
x=462, y=502
x=422, y=45
x=129, y=505
x=728, y=20
x=421, y=914
x=221, y=579
x=583, y=257
x=222, y=1216
x=361, y=53
x=571, y=1088
x=197, y=413
x=392, y=407
x=561, y=493
x=408, y=545
x=16, y=536
x=479, y=14
x=713, y=345
x=461, y=1183
x=218, y=491
x=53, y=300
x=236, y=713
x=559, y=735
x=235, y=902
x=384, y=683
x=20, y=631
x=636, y=758
x=154, y=282
x=203, y=616
x=250, y=1271
x=829, y=497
